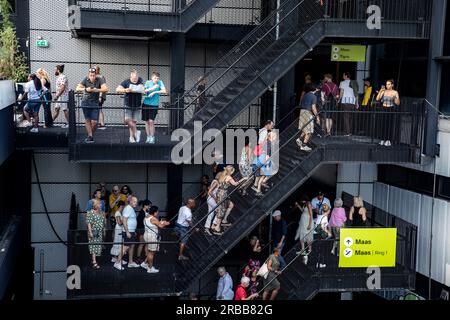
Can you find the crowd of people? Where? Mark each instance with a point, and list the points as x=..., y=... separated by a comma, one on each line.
x=325, y=104
x=134, y=232
x=141, y=98
x=318, y=220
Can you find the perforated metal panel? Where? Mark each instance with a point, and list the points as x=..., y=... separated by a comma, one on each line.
x=41, y=230
x=55, y=256
x=119, y=51
x=54, y=286
x=62, y=47
x=48, y=15
x=57, y=168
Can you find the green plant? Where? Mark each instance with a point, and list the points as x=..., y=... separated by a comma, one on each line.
x=13, y=63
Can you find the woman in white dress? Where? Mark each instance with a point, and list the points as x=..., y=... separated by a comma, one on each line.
x=117, y=247
x=151, y=237
x=305, y=232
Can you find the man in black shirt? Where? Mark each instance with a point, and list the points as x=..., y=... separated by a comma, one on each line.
x=92, y=86
x=133, y=89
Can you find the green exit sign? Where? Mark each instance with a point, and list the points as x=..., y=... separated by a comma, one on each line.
x=42, y=43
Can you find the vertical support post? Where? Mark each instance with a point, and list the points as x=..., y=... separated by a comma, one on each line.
x=434, y=82
x=177, y=77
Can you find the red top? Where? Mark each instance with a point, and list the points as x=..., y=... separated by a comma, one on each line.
x=241, y=294
x=330, y=88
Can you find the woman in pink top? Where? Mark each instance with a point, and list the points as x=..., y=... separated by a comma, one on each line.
x=337, y=221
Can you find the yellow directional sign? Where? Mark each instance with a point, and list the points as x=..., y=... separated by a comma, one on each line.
x=348, y=53
x=367, y=247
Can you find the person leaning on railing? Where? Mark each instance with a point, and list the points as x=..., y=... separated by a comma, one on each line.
x=92, y=86
x=389, y=99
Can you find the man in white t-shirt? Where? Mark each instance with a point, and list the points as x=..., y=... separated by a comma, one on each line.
x=129, y=221
x=264, y=131
x=348, y=101
x=182, y=225
x=318, y=202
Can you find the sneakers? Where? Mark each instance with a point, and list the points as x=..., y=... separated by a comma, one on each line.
x=388, y=143
x=299, y=142
x=114, y=259
x=305, y=148
x=65, y=126
x=382, y=143
x=101, y=127
x=89, y=140
x=132, y=140
x=133, y=265
x=152, y=140
x=138, y=136
x=118, y=266
x=148, y=140
x=152, y=270
x=144, y=265
x=34, y=130
x=181, y=258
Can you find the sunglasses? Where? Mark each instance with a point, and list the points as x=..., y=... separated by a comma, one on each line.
x=92, y=70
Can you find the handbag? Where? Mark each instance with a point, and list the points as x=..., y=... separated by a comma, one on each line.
x=318, y=229
x=263, y=271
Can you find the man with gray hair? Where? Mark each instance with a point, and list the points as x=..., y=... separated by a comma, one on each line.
x=241, y=292
x=132, y=89
x=225, y=285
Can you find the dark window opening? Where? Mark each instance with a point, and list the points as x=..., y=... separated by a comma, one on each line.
x=414, y=180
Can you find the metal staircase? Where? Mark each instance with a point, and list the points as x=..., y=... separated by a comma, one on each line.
x=280, y=42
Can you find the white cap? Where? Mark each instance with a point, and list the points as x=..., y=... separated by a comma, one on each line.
x=276, y=213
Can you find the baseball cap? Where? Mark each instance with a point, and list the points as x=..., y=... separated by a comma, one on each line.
x=276, y=213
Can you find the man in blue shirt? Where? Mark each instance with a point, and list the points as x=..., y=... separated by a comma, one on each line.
x=97, y=195
x=153, y=89
x=307, y=114
x=225, y=286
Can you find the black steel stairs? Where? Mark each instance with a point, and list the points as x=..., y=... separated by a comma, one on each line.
x=249, y=210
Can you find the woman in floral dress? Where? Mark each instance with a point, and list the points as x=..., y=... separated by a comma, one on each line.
x=95, y=221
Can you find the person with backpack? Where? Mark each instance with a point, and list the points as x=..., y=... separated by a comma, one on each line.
x=330, y=96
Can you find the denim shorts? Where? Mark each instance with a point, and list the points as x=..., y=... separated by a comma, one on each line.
x=182, y=232
x=90, y=110
x=34, y=106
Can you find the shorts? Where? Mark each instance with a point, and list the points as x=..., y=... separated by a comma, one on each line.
x=151, y=237
x=149, y=112
x=305, y=122
x=62, y=104
x=131, y=113
x=127, y=242
x=182, y=233
x=91, y=110
x=33, y=106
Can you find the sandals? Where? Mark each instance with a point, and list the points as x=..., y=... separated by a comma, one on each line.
x=95, y=266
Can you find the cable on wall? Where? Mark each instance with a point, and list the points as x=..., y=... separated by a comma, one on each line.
x=43, y=202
